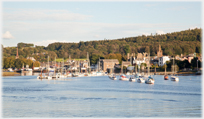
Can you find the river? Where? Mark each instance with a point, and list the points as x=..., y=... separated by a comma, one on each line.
x=25, y=96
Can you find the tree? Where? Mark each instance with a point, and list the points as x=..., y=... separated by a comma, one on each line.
x=36, y=64
x=127, y=49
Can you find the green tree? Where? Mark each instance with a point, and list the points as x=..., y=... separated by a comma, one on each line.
x=127, y=49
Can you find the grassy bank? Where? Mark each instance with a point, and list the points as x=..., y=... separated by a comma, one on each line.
x=10, y=74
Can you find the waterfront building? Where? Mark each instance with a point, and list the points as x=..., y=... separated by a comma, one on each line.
x=108, y=64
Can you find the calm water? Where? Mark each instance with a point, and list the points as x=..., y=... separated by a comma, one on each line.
x=25, y=96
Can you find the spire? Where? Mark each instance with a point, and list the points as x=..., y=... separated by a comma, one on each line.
x=159, y=47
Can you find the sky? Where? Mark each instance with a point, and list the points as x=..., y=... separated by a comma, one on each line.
x=43, y=23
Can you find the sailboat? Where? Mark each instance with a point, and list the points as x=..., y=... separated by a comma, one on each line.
x=149, y=80
x=165, y=76
x=122, y=76
x=48, y=76
x=174, y=78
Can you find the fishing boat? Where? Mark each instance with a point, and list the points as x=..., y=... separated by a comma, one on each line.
x=150, y=80
x=112, y=77
x=123, y=77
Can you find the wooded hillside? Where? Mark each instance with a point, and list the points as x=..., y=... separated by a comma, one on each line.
x=183, y=42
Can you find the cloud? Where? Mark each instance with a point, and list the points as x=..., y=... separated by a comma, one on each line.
x=42, y=15
x=146, y=34
x=160, y=32
x=7, y=35
x=193, y=27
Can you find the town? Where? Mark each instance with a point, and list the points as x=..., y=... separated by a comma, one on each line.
x=140, y=63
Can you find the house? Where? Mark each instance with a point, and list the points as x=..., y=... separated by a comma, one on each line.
x=31, y=58
x=162, y=60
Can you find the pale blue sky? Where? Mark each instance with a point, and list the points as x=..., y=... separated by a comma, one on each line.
x=42, y=23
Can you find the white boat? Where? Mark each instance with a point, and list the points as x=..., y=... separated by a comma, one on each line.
x=150, y=80
x=112, y=77
x=140, y=79
x=59, y=75
x=81, y=75
x=48, y=77
x=132, y=79
x=174, y=78
x=75, y=74
x=123, y=77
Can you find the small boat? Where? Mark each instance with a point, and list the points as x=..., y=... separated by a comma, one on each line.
x=123, y=77
x=140, y=79
x=59, y=75
x=75, y=74
x=48, y=77
x=112, y=77
x=166, y=77
x=150, y=80
x=132, y=79
x=174, y=78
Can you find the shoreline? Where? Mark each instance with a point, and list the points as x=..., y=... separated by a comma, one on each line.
x=5, y=74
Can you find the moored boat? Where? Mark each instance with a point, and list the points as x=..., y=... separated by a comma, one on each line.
x=123, y=77
x=174, y=78
x=112, y=77
x=132, y=79
x=166, y=77
x=150, y=80
x=140, y=79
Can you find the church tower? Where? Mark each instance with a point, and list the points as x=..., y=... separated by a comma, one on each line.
x=159, y=53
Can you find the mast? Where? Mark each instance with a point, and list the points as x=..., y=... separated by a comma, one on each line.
x=165, y=69
x=173, y=65
x=88, y=62
x=99, y=65
x=63, y=64
x=148, y=64
x=48, y=65
x=122, y=68
x=55, y=67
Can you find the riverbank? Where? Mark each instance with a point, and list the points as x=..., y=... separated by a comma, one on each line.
x=10, y=74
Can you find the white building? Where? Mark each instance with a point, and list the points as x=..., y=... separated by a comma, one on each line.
x=163, y=59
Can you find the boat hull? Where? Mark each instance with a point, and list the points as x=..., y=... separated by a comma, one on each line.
x=174, y=78
x=140, y=80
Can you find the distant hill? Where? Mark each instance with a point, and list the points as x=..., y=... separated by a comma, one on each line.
x=183, y=42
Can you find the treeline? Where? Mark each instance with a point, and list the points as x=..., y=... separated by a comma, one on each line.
x=183, y=42
x=11, y=62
